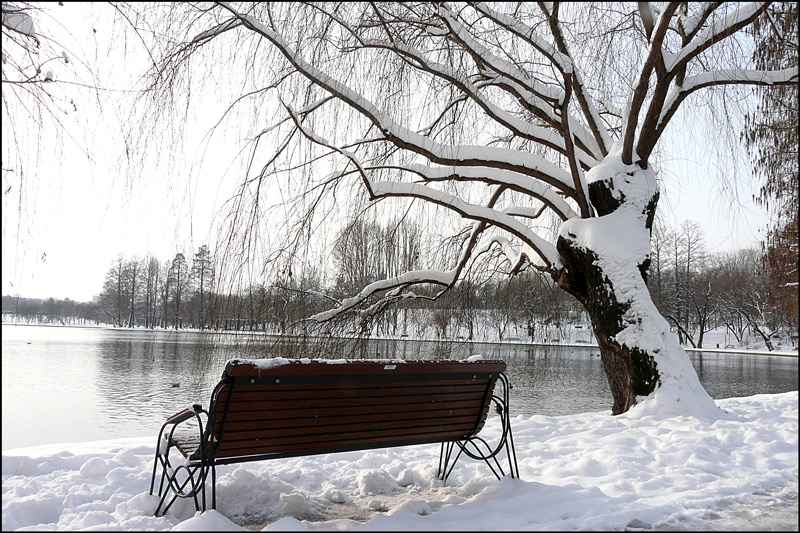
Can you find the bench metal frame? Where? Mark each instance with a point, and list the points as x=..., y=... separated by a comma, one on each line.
x=194, y=472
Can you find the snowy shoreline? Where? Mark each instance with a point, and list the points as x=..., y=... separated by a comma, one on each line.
x=590, y=471
x=522, y=342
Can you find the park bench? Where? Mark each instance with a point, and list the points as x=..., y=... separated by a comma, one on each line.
x=278, y=408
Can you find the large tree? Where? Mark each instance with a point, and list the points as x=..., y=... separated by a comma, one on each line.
x=496, y=115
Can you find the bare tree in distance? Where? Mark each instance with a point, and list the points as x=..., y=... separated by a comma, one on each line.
x=505, y=117
x=151, y=274
x=133, y=273
x=203, y=275
x=114, y=297
x=179, y=276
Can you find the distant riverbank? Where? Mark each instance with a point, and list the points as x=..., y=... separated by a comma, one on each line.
x=459, y=340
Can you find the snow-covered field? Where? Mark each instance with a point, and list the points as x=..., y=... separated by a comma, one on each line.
x=589, y=471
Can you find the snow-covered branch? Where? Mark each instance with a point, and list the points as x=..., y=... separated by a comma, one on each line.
x=596, y=139
x=391, y=189
x=637, y=96
x=511, y=180
x=723, y=77
x=399, y=283
x=516, y=258
x=546, y=136
x=402, y=137
x=524, y=212
x=414, y=277
x=561, y=61
x=545, y=250
x=216, y=31
x=717, y=31
x=485, y=57
x=691, y=24
x=574, y=80
x=539, y=98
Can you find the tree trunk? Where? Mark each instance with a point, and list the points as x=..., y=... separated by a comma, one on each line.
x=605, y=267
x=631, y=372
x=702, y=333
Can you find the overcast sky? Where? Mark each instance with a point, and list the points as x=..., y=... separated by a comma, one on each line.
x=79, y=211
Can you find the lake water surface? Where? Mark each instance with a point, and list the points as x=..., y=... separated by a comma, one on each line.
x=62, y=384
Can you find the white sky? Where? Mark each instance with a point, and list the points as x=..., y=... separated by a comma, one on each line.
x=80, y=213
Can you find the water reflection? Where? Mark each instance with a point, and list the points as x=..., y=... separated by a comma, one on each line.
x=727, y=375
x=73, y=384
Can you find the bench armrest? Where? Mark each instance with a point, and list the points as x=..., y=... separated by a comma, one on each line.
x=186, y=414
x=165, y=436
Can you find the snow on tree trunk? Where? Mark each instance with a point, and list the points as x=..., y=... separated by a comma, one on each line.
x=606, y=263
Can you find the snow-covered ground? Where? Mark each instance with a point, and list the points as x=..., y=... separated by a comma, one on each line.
x=590, y=471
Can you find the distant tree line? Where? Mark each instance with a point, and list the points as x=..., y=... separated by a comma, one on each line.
x=696, y=291
x=51, y=311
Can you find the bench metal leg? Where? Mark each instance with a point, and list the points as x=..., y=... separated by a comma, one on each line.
x=176, y=494
x=169, y=480
x=506, y=442
x=444, y=459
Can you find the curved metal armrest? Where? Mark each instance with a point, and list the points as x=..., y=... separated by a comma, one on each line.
x=186, y=414
x=501, y=402
x=178, y=418
x=182, y=416
x=169, y=473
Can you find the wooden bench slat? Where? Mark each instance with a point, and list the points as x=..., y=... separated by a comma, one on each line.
x=363, y=368
x=289, y=392
x=431, y=400
x=388, y=418
x=187, y=443
x=258, y=430
x=322, y=447
x=442, y=408
x=345, y=386
x=349, y=418
x=289, y=437
x=335, y=436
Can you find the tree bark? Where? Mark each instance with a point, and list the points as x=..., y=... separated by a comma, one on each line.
x=632, y=372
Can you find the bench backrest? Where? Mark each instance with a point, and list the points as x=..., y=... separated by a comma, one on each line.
x=284, y=408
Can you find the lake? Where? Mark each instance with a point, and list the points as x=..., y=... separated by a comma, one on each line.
x=63, y=384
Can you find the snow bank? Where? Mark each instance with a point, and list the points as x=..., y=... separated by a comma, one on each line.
x=590, y=471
